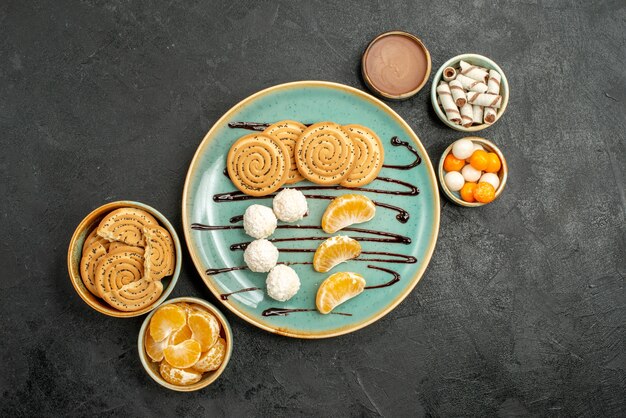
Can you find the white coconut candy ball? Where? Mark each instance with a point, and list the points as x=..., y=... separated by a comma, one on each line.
x=282, y=283
x=490, y=178
x=259, y=221
x=290, y=205
x=454, y=180
x=260, y=256
x=462, y=149
x=470, y=173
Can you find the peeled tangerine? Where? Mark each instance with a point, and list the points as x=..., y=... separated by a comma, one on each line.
x=183, y=355
x=335, y=250
x=337, y=289
x=212, y=359
x=346, y=210
x=176, y=376
x=166, y=320
x=205, y=329
x=154, y=349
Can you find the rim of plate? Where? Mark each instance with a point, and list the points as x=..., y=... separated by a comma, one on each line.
x=432, y=240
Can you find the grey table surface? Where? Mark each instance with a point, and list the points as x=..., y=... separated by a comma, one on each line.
x=521, y=310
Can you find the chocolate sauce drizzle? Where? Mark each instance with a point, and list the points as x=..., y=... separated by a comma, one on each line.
x=388, y=236
x=394, y=280
x=396, y=142
x=402, y=258
x=287, y=311
x=224, y=296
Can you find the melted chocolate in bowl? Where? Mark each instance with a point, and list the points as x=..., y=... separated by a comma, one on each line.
x=396, y=65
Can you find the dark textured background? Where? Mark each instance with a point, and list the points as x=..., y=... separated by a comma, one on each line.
x=521, y=311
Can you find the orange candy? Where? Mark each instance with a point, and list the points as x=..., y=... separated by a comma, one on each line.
x=467, y=192
x=479, y=160
x=484, y=192
x=451, y=163
x=493, y=163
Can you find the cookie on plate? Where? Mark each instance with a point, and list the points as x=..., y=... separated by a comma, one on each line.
x=369, y=154
x=288, y=131
x=258, y=164
x=325, y=153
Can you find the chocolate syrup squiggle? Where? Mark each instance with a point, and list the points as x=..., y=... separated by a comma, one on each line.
x=224, y=296
x=389, y=236
x=394, y=280
x=403, y=259
x=396, y=142
x=287, y=311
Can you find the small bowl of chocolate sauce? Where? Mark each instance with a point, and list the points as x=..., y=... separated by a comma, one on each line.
x=396, y=65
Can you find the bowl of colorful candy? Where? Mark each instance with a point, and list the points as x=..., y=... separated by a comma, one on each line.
x=472, y=172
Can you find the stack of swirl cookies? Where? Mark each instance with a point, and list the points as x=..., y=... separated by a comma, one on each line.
x=287, y=152
x=125, y=258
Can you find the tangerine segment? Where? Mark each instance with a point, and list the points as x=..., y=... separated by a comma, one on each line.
x=346, y=210
x=205, y=328
x=493, y=163
x=179, y=336
x=176, y=376
x=166, y=320
x=183, y=355
x=451, y=163
x=335, y=250
x=212, y=359
x=154, y=349
x=337, y=289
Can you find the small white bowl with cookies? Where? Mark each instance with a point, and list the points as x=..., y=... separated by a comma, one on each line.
x=469, y=93
x=124, y=259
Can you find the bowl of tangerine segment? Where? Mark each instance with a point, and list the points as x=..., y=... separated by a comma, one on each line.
x=124, y=259
x=472, y=172
x=185, y=344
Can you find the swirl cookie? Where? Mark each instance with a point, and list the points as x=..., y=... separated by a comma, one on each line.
x=325, y=153
x=369, y=156
x=135, y=295
x=288, y=132
x=159, y=256
x=117, y=269
x=92, y=254
x=258, y=164
x=93, y=237
x=126, y=225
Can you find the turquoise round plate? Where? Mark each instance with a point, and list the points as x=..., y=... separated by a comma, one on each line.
x=406, y=222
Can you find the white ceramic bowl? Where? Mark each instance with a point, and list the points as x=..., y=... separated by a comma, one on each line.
x=480, y=61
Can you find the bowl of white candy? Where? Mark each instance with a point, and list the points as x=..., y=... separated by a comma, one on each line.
x=469, y=92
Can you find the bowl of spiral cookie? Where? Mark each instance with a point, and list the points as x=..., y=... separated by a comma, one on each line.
x=124, y=259
x=469, y=92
